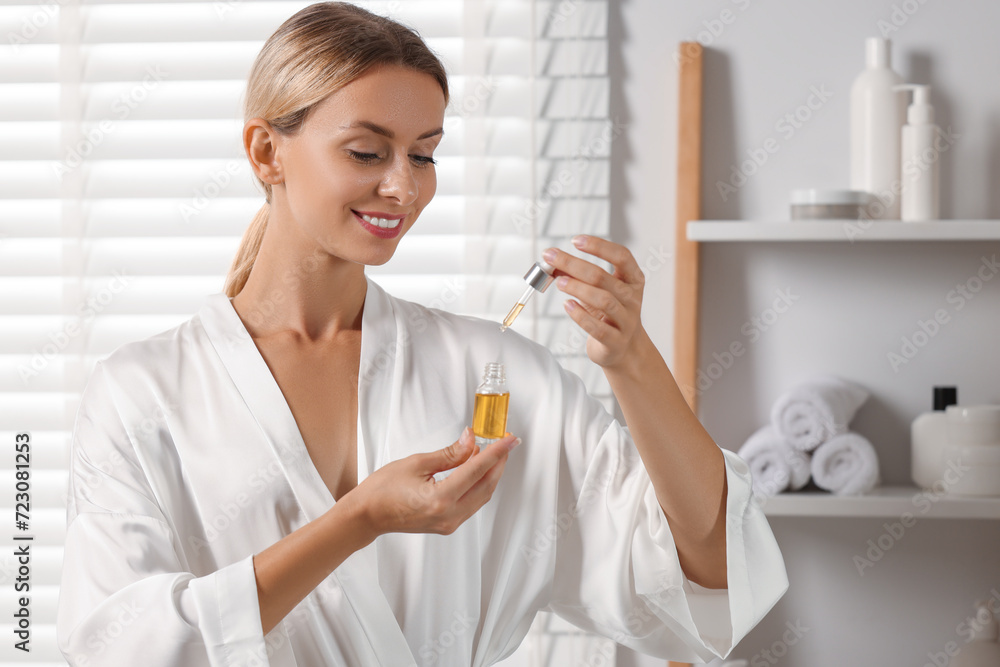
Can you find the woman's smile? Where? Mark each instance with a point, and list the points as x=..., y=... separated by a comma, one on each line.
x=382, y=225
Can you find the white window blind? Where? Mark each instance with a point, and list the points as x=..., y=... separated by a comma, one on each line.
x=124, y=192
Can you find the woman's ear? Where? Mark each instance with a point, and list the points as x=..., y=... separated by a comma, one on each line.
x=260, y=144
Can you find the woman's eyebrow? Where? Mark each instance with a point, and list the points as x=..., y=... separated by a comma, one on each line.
x=378, y=129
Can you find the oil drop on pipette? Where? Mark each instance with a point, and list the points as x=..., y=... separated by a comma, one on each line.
x=538, y=277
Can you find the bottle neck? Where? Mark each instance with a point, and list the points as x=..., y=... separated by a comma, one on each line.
x=494, y=381
x=877, y=53
x=493, y=372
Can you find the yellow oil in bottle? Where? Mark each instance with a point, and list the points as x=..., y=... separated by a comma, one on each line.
x=489, y=416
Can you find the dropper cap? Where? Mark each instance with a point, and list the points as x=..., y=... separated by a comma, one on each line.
x=539, y=276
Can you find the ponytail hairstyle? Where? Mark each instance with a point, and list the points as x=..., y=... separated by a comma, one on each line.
x=313, y=54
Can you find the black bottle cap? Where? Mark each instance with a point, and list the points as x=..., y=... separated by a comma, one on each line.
x=945, y=396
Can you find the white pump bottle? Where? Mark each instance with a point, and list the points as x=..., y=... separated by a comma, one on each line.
x=920, y=155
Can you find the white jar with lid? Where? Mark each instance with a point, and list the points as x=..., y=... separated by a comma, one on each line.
x=973, y=450
x=830, y=204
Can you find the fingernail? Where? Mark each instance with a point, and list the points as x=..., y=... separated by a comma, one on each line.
x=549, y=255
x=512, y=445
x=562, y=281
x=579, y=240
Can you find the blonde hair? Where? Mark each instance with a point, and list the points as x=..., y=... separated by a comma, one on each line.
x=316, y=52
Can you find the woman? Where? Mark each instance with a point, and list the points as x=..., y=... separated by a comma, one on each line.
x=259, y=485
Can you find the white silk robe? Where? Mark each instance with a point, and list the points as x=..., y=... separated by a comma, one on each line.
x=186, y=461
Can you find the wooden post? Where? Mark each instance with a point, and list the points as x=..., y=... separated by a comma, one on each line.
x=685, y=365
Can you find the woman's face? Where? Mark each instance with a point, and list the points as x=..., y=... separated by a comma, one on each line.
x=358, y=173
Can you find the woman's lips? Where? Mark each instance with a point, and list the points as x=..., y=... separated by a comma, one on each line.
x=375, y=230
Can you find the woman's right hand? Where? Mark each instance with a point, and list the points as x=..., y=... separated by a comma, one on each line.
x=403, y=496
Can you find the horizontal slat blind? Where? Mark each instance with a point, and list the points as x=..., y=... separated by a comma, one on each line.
x=30, y=307
x=124, y=192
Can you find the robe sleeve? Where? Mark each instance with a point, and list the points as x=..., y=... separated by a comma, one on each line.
x=617, y=571
x=125, y=596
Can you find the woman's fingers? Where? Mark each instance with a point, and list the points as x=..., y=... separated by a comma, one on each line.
x=579, y=268
x=449, y=457
x=609, y=294
x=614, y=253
x=606, y=305
x=402, y=496
x=590, y=321
x=482, y=490
x=601, y=304
x=474, y=468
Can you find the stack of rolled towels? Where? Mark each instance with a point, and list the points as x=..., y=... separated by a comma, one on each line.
x=808, y=437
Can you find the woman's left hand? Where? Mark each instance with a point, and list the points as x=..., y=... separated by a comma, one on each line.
x=607, y=305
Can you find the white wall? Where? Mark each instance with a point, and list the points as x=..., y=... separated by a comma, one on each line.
x=856, y=300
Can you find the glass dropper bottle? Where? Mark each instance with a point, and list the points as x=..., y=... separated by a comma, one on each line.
x=489, y=413
x=538, y=277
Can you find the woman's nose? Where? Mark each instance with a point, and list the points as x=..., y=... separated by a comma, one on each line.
x=399, y=182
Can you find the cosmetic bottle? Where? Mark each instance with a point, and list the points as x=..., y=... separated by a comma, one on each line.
x=982, y=650
x=877, y=113
x=489, y=416
x=920, y=172
x=929, y=440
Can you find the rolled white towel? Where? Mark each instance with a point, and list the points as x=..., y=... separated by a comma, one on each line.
x=846, y=464
x=774, y=465
x=813, y=412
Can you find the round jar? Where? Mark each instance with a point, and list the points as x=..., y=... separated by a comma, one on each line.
x=829, y=204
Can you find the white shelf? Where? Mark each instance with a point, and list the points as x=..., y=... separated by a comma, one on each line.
x=843, y=230
x=882, y=502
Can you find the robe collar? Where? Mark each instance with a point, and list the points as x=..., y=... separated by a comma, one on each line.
x=380, y=350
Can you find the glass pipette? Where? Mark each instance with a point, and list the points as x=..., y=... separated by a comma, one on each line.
x=538, y=277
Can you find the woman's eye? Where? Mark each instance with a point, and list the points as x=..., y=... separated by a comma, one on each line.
x=424, y=160
x=368, y=158
x=363, y=157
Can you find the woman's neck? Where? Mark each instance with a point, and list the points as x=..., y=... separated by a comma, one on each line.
x=300, y=289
